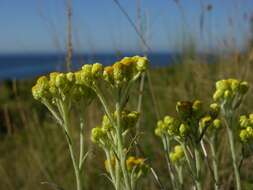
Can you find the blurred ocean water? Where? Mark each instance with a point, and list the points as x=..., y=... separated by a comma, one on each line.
x=25, y=66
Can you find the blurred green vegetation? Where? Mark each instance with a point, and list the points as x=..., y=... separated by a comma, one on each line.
x=33, y=148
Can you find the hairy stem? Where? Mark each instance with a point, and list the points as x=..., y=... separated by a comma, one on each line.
x=70, y=145
x=232, y=149
x=198, y=168
x=214, y=162
x=122, y=156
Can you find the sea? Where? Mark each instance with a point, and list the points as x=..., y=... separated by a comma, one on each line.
x=29, y=66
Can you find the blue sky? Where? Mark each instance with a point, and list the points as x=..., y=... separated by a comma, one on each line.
x=33, y=26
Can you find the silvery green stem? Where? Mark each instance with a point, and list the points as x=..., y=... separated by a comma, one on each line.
x=188, y=160
x=166, y=148
x=108, y=156
x=232, y=149
x=198, y=168
x=105, y=105
x=122, y=156
x=228, y=118
x=212, y=144
x=81, y=152
x=70, y=145
x=179, y=170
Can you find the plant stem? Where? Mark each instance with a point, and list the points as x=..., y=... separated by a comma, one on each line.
x=81, y=152
x=232, y=149
x=70, y=145
x=167, y=150
x=180, y=176
x=214, y=162
x=122, y=156
x=109, y=159
x=198, y=167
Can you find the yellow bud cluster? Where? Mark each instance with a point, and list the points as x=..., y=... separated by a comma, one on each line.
x=210, y=123
x=125, y=70
x=187, y=109
x=228, y=89
x=60, y=86
x=137, y=165
x=129, y=118
x=89, y=74
x=246, y=131
x=214, y=110
x=99, y=135
x=167, y=126
x=177, y=155
x=80, y=82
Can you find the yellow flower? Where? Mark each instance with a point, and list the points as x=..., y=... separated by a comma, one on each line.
x=107, y=162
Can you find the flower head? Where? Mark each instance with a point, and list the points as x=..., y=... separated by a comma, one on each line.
x=177, y=155
x=230, y=91
x=137, y=165
x=246, y=131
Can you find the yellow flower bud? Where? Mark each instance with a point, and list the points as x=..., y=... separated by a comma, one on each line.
x=52, y=77
x=158, y=132
x=118, y=72
x=222, y=85
x=173, y=157
x=97, y=134
x=217, y=123
x=108, y=74
x=244, y=135
x=249, y=130
x=243, y=121
x=132, y=118
x=60, y=80
x=183, y=129
x=197, y=105
x=234, y=85
x=168, y=120
x=205, y=121
x=177, y=155
x=35, y=92
x=41, y=89
x=244, y=87
x=97, y=70
x=218, y=94
x=106, y=124
x=137, y=165
x=227, y=94
x=86, y=75
x=142, y=64
x=112, y=162
x=70, y=77
x=184, y=108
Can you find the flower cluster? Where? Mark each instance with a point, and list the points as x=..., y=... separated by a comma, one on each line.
x=137, y=166
x=210, y=121
x=61, y=86
x=246, y=131
x=125, y=70
x=230, y=91
x=89, y=74
x=167, y=126
x=177, y=155
x=193, y=120
x=101, y=134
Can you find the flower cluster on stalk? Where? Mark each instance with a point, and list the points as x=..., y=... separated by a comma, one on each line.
x=229, y=93
x=103, y=135
x=246, y=128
